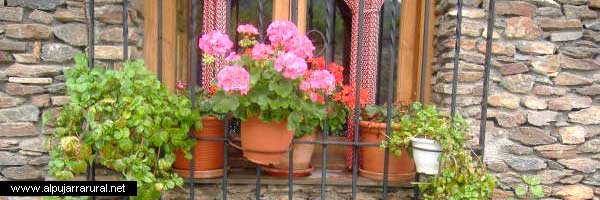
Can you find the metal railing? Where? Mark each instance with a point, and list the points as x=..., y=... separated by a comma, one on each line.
x=195, y=66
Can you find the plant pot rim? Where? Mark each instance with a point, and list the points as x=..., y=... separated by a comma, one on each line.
x=426, y=144
x=381, y=125
x=423, y=140
x=210, y=118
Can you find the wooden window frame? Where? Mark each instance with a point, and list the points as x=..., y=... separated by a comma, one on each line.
x=175, y=62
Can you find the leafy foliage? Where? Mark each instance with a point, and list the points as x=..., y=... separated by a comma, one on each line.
x=532, y=189
x=127, y=121
x=379, y=114
x=461, y=175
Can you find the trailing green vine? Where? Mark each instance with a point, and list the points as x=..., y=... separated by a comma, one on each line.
x=462, y=175
x=127, y=121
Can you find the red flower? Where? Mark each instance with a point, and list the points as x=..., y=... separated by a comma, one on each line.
x=317, y=63
x=212, y=90
x=348, y=97
x=338, y=72
x=335, y=69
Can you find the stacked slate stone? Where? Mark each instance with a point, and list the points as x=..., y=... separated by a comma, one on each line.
x=544, y=114
x=38, y=39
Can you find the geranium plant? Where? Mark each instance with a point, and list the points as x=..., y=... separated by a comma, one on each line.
x=126, y=120
x=269, y=80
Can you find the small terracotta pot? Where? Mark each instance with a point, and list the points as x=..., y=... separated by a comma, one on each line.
x=400, y=169
x=208, y=155
x=302, y=156
x=265, y=143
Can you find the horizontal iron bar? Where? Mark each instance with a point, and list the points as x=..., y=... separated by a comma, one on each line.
x=340, y=143
x=211, y=139
x=301, y=142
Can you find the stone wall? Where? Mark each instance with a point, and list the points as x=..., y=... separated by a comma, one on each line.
x=544, y=114
x=279, y=192
x=38, y=39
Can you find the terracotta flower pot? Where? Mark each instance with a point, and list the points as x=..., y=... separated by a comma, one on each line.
x=265, y=143
x=208, y=155
x=400, y=169
x=302, y=156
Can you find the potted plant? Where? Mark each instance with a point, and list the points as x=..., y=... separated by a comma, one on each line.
x=336, y=116
x=208, y=154
x=127, y=121
x=439, y=148
x=426, y=128
x=373, y=126
x=268, y=88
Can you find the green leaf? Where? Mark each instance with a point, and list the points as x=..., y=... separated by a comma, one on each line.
x=537, y=191
x=534, y=181
x=520, y=191
x=79, y=166
x=65, y=176
x=282, y=88
x=293, y=120
x=225, y=103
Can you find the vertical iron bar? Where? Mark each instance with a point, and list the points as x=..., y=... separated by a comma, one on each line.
x=311, y=4
x=159, y=71
x=328, y=59
x=228, y=18
x=379, y=52
x=225, y=156
x=126, y=29
x=237, y=23
x=193, y=81
x=91, y=34
x=423, y=71
x=92, y=168
x=258, y=182
x=424, y=56
x=390, y=96
x=261, y=21
x=486, y=76
x=294, y=13
x=261, y=39
x=456, y=58
x=333, y=41
x=358, y=79
x=291, y=172
x=226, y=120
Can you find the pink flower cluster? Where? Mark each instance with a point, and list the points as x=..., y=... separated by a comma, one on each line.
x=233, y=56
x=234, y=78
x=281, y=31
x=262, y=51
x=215, y=43
x=247, y=29
x=291, y=65
x=319, y=80
x=287, y=48
x=300, y=45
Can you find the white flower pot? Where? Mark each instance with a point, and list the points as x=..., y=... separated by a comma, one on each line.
x=426, y=154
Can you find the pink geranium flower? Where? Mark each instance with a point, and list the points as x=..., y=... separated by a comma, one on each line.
x=215, y=43
x=180, y=85
x=291, y=65
x=261, y=51
x=320, y=80
x=247, y=29
x=300, y=45
x=233, y=56
x=234, y=78
x=281, y=31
